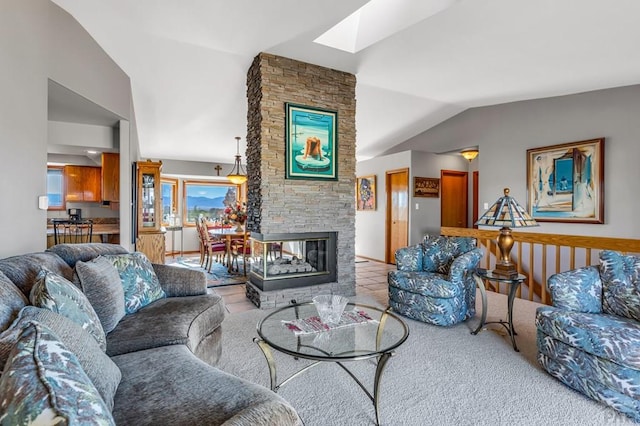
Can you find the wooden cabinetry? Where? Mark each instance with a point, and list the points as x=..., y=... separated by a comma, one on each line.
x=150, y=240
x=110, y=177
x=83, y=183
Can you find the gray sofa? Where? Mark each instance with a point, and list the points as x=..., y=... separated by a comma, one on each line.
x=164, y=354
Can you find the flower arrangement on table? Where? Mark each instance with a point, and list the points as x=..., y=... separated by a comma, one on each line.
x=235, y=214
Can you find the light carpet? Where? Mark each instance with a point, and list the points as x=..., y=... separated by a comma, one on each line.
x=439, y=376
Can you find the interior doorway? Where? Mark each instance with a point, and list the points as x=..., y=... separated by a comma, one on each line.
x=475, y=202
x=454, y=198
x=397, y=222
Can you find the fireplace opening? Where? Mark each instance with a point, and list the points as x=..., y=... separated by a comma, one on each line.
x=289, y=260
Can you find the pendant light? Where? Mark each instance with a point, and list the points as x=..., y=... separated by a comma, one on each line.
x=237, y=175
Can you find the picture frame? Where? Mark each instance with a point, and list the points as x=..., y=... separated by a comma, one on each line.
x=311, y=150
x=366, y=193
x=426, y=187
x=565, y=182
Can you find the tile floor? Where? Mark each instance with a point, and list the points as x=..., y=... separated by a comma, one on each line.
x=371, y=280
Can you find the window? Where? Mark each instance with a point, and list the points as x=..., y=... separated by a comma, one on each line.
x=207, y=198
x=55, y=188
x=169, y=199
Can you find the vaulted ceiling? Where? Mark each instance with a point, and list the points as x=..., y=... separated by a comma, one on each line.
x=417, y=62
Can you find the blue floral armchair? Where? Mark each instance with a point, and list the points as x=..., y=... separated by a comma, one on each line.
x=590, y=338
x=434, y=281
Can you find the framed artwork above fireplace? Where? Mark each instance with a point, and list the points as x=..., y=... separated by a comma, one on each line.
x=311, y=150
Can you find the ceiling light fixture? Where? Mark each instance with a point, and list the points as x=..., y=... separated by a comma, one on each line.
x=469, y=154
x=237, y=175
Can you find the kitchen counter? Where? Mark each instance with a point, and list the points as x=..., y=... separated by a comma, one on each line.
x=106, y=232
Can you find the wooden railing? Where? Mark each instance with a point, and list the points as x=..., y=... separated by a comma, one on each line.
x=538, y=256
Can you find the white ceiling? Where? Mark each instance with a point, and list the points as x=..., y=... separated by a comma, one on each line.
x=417, y=62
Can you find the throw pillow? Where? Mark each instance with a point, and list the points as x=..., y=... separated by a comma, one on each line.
x=44, y=384
x=56, y=293
x=12, y=301
x=103, y=372
x=579, y=290
x=100, y=282
x=139, y=280
x=620, y=276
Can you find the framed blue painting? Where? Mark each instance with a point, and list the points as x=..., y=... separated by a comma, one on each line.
x=311, y=150
x=565, y=183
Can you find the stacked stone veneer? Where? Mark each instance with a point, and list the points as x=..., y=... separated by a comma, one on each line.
x=279, y=205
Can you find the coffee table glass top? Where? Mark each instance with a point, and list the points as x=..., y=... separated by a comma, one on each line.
x=382, y=334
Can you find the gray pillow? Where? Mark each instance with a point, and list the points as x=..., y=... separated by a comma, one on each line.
x=59, y=295
x=104, y=373
x=100, y=282
x=11, y=301
x=44, y=383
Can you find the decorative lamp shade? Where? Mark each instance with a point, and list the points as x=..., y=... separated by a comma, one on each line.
x=469, y=154
x=237, y=175
x=506, y=212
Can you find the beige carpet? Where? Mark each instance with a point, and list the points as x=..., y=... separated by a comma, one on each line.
x=439, y=376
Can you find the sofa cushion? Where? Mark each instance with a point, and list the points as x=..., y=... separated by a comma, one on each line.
x=59, y=295
x=72, y=253
x=23, y=269
x=139, y=280
x=12, y=300
x=174, y=320
x=44, y=381
x=180, y=389
x=439, y=251
x=606, y=336
x=437, y=311
x=578, y=290
x=621, y=284
x=100, y=282
x=104, y=374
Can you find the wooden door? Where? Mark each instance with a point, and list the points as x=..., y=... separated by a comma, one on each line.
x=454, y=198
x=397, y=189
x=476, y=183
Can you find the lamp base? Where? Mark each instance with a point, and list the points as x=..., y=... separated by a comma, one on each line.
x=506, y=270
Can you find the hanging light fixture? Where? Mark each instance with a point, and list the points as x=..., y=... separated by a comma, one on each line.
x=469, y=154
x=237, y=174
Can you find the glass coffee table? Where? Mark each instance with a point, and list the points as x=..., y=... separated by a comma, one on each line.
x=377, y=336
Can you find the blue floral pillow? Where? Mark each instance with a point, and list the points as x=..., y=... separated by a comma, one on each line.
x=59, y=295
x=139, y=280
x=579, y=290
x=43, y=383
x=621, y=284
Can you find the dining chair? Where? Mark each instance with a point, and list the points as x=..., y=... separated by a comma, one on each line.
x=241, y=248
x=211, y=247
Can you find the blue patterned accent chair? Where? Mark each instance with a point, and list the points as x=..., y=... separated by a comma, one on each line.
x=434, y=281
x=590, y=338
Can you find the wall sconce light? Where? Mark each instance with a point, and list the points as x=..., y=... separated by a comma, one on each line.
x=237, y=175
x=469, y=154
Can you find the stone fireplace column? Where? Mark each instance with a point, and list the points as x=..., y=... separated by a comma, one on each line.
x=277, y=205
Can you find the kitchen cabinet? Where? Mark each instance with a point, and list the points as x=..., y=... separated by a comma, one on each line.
x=110, y=177
x=83, y=183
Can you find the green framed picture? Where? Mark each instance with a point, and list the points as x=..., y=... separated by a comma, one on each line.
x=311, y=149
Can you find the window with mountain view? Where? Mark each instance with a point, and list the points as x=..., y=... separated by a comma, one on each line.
x=208, y=199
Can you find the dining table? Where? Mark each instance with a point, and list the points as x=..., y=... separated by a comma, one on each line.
x=228, y=235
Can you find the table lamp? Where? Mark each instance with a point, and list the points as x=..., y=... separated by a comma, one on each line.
x=506, y=213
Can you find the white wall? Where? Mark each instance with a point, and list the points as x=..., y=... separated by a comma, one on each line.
x=39, y=41
x=505, y=132
x=370, y=225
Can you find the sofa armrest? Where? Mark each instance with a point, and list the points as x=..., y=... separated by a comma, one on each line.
x=409, y=259
x=463, y=264
x=176, y=281
x=578, y=290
